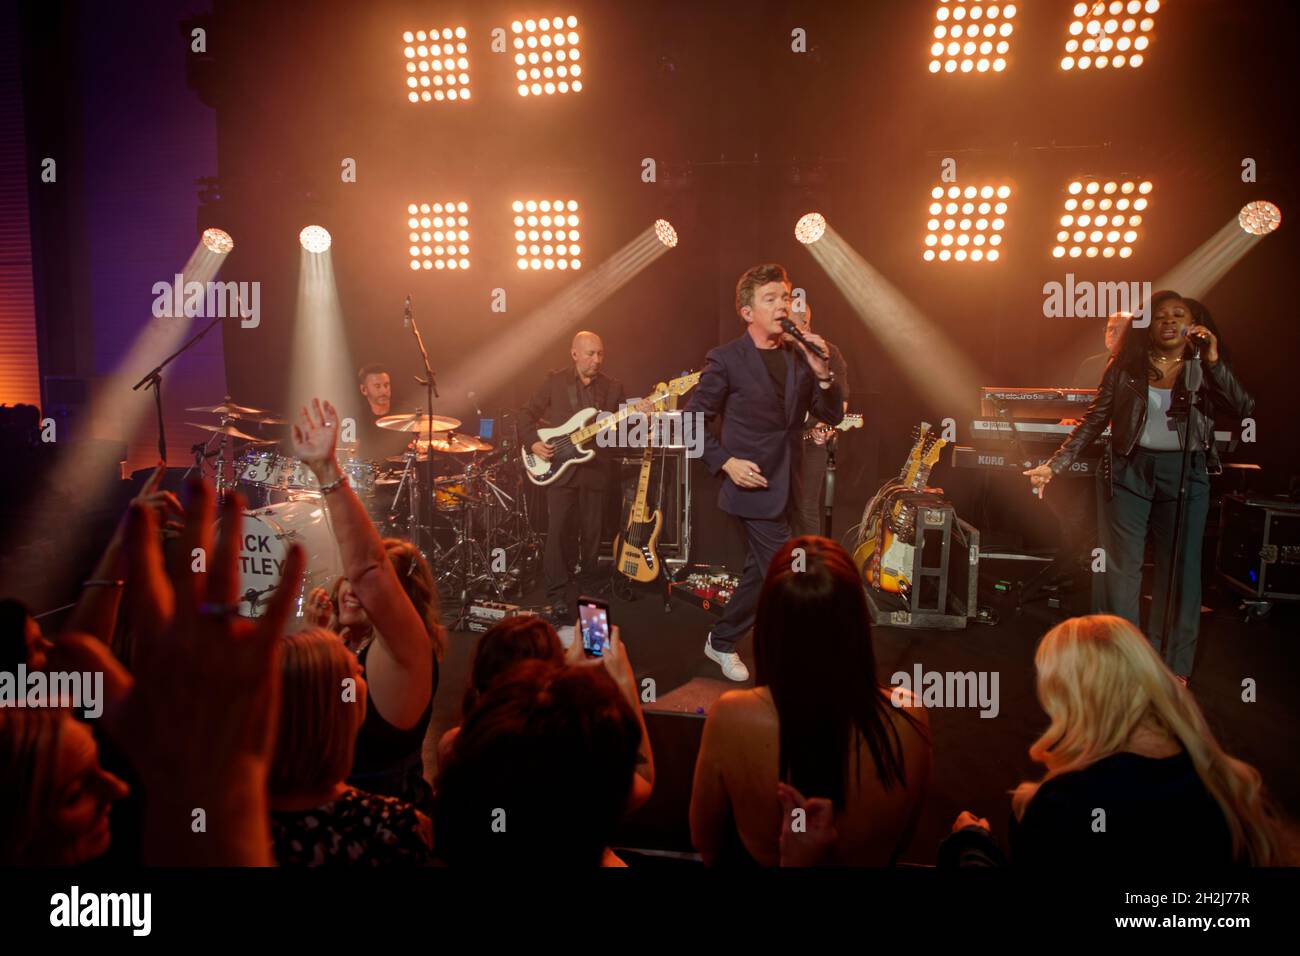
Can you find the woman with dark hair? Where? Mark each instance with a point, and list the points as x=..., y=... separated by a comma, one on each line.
x=1139, y=480
x=502, y=646
x=820, y=723
x=541, y=772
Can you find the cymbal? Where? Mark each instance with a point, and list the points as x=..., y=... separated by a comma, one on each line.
x=455, y=445
x=233, y=432
x=417, y=423
x=230, y=409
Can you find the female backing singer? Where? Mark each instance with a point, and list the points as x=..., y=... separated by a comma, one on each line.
x=1138, y=485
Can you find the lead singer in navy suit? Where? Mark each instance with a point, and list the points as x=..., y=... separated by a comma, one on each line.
x=763, y=389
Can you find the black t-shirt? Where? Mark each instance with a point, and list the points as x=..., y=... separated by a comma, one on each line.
x=774, y=359
x=377, y=444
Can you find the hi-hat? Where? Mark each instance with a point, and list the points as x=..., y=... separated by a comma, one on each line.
x=233, y=432
x=417, y=423
x=231, y=409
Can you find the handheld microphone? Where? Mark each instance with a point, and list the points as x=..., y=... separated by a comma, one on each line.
x=406, y=314
x=793, y=330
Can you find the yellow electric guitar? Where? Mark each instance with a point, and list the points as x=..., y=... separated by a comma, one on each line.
x=636, y=549
x=887, y=544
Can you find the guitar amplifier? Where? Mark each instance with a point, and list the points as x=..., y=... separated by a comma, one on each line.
x=675, y=536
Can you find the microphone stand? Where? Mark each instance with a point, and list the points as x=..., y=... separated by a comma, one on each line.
x=153, y=379
x=829, y=507
x=1193, y=375
x=430, y=393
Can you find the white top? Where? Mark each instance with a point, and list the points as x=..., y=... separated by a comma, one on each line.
x=1159, y=433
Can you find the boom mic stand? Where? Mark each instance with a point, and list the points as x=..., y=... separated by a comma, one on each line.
x=430, y=393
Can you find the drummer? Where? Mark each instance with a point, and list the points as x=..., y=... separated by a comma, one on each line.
x=375, y=443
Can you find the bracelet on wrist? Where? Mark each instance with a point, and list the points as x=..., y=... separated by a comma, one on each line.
x=334, y=485
x=103, y=583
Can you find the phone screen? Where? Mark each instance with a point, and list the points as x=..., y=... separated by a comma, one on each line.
x=593, y=616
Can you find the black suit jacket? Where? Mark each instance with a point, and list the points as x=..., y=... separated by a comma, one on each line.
x=557, y=400
x=736, y=384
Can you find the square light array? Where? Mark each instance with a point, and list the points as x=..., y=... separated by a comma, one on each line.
x=546, y=234
x=1101, y=218
x=966, y=223
x=437, y=65
x=971, y=36
x=1109, y=34
x=547, y=55
x=438, y=236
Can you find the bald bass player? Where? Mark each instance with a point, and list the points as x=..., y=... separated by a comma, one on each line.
x=575, y=502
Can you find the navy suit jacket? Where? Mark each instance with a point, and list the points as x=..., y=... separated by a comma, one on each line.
x=736, y=385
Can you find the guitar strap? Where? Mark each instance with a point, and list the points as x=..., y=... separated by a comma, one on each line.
x=573, y=393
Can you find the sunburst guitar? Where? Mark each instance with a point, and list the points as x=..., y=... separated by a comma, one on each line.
x=888, y=543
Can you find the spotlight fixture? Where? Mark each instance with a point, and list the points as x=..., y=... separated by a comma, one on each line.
x=1259, y=218
x=810, y=227
x=438, y=235
x=971, y=36
x=547, y=56
x=437, y=65
x=1101, y=218
x=315, y=239
x=218, y=241
x=666, y=233
x=1109, y=33
x=546, y=234
x=966, y=223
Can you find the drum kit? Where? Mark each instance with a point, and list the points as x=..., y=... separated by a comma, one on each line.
x=459, y=499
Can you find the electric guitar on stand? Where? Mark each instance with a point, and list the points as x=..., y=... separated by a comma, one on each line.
x=887, y=537
x=636, y=548
x=569, y=439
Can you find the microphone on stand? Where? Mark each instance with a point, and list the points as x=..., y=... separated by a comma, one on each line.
x=406, y=314
x=473, y=397
x=793, y=330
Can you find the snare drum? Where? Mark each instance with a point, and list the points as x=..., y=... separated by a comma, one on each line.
x=361, y=474
x=261, y=467
x=266, y=535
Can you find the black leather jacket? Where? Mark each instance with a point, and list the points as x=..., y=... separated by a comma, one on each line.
x=1122, y=402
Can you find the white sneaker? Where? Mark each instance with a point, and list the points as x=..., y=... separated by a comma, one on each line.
x=733, y=668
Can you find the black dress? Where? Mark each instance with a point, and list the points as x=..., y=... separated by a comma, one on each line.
x=357, y=829
x=388, y=760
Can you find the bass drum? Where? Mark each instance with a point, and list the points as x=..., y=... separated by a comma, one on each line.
x=267, y=534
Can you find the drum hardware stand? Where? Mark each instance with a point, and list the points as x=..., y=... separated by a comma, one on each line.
x=471, y=551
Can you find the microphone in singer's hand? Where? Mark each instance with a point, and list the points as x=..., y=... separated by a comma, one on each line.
x=793, y=330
